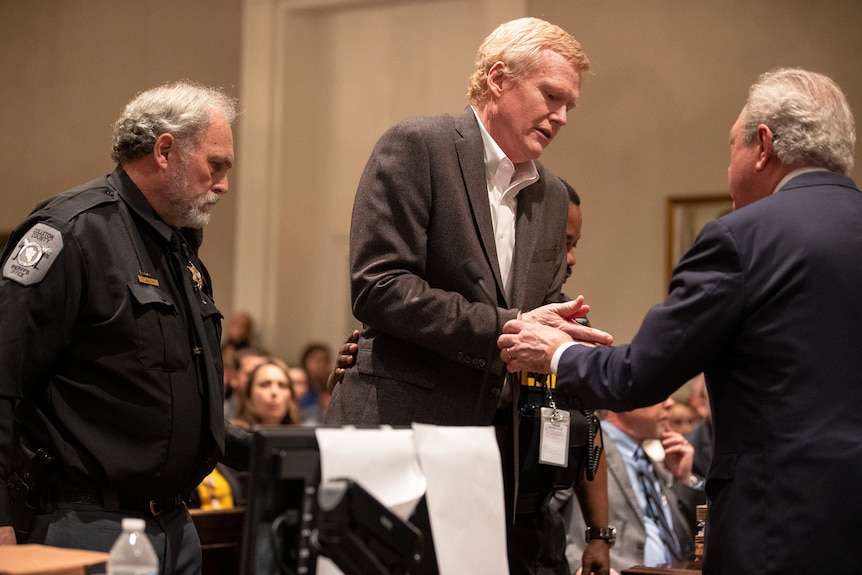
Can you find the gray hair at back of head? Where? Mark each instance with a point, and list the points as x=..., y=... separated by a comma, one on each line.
x=809, y=116
x=182, y=109
x=519, y=44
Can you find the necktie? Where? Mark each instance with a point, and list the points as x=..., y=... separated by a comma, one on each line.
x=654, y=503
x=211, y=385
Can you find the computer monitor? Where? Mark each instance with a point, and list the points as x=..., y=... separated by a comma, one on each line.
x=290, y=520
x=284, y=476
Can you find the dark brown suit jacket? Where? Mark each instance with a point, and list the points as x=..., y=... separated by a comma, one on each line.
x=421, y=211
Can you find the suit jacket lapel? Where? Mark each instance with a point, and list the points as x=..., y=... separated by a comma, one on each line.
x=526, y=236
x=471, y=158
x=617, y=470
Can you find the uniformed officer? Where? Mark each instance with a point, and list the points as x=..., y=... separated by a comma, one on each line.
x=109, y=340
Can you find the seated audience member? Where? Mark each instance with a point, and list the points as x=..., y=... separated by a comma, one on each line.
x=269, y=397
x=310, y=414
x=683, y=418
x=221, y=489
x=701, y=436
x=238, y=333
x=651, y=505
x=698, y=399
x=245, y=360
x=316, y=359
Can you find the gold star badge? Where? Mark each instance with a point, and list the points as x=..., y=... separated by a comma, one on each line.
x=196, y=276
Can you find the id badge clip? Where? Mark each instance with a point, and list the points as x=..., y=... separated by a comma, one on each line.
x=554, y=436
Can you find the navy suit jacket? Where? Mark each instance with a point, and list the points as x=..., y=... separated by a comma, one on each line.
x=766, y=303
x=421, y=210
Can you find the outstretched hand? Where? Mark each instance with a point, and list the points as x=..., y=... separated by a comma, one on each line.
x=529, y=343
x=563, y=315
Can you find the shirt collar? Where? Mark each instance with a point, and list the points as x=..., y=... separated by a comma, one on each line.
x=794, y=173
x=625, y=444
x=133, y=197
x=494, y=157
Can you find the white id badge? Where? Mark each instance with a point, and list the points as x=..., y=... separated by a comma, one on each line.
x=554, y=437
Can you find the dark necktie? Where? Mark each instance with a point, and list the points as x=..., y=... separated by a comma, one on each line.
x=211, y=385
x=654, y=506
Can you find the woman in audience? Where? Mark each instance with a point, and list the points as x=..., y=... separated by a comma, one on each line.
x=269, y=397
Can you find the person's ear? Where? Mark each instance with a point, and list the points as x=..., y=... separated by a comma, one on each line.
x=496, y=79
x=765, y=149
x=165, y=145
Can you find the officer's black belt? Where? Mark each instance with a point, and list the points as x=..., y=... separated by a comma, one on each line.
x=113, y=501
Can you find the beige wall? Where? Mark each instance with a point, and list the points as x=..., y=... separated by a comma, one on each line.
x=68, y=67
x=669, y=78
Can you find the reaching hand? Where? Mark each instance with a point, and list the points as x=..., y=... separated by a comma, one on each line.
x=563, y=315
x=530, y=346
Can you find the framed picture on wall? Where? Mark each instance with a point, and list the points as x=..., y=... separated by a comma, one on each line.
x=686, y=216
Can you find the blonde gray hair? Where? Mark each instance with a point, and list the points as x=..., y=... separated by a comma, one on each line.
x=519, y=45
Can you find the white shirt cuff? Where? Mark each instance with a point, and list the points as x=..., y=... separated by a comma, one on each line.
x=555, y=359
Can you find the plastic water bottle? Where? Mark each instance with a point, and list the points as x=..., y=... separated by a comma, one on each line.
x=132, y=553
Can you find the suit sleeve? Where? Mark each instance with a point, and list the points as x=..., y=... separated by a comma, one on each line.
x=678, y=338
x=389, y=250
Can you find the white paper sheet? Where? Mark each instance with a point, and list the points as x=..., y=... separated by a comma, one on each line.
x=459, y=466
x=465, y=498
x=383, y=461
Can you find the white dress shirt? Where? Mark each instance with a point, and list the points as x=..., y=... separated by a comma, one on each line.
x=504, y=181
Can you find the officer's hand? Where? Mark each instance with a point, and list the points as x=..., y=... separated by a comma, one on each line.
x=580, y=571
x=344, y=361
x=596, y=559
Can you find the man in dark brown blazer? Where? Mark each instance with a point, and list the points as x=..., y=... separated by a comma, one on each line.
x=442, y=191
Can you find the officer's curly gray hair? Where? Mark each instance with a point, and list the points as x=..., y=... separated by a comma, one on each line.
x=809, y=116
x=182, y=109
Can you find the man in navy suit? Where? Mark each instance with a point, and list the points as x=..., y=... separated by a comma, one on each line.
x=767, y=304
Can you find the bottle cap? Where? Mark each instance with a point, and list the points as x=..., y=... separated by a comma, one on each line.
x=133, y=524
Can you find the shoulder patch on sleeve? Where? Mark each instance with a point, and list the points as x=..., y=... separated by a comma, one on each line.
x=33, y=255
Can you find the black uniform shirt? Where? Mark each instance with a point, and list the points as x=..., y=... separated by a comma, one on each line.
x=95, y=342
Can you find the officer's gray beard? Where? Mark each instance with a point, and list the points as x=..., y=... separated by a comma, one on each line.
x=190, y=212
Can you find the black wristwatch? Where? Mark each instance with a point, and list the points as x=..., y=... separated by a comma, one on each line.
x=608, y=534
